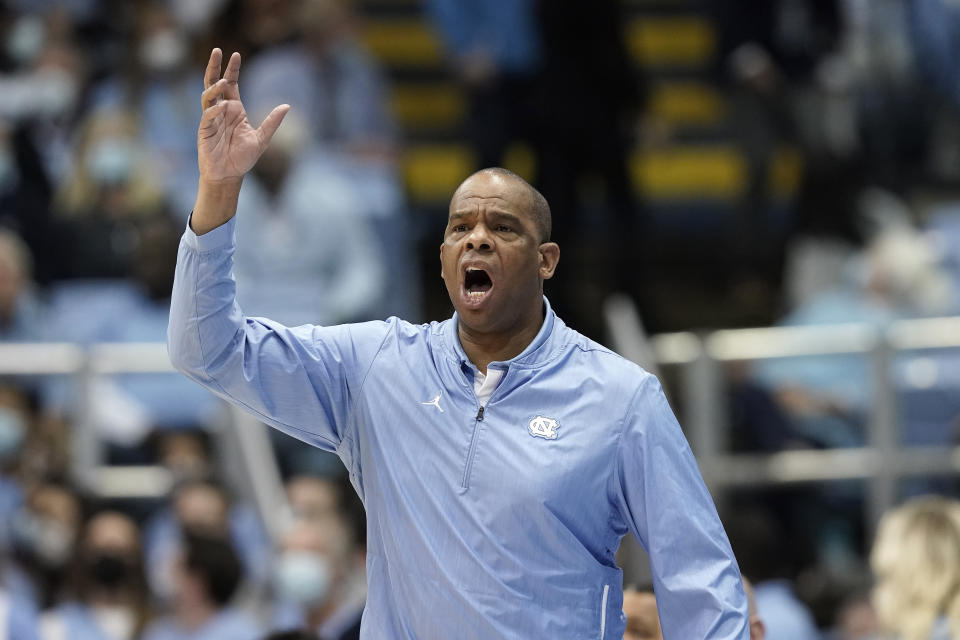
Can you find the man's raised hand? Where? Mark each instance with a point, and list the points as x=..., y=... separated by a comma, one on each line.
x=227, y=144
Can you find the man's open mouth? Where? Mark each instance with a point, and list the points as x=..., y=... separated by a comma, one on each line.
x=476, y=282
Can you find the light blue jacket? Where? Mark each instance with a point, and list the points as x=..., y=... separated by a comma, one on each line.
x=500, y=523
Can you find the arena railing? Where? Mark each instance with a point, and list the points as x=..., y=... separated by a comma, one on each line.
x=700, y=400
x=245, y=451
x=882, y=463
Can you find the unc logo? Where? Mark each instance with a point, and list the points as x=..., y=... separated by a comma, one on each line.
x=546, y=428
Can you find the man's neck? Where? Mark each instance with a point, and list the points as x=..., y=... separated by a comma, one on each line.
x=484, y=348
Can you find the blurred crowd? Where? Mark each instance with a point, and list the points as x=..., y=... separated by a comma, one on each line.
x=99, y=104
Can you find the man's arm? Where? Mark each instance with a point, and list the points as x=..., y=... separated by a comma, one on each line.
x=302, y=380
x=663, y=500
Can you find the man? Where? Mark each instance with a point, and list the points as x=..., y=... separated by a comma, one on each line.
x=500, y=455
x=758, y=629
x=640, y=607
x=318, y=580
x=206, y=578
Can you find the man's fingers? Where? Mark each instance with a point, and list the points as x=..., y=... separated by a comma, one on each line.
x=209, y=97
x=271, y=123
x=209, y=114
x=232, y=75
x=212, y=74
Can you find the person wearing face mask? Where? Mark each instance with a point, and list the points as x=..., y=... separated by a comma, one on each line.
x=108, y=599
x=21, y=317
x=159, y=79
x=640, y=607
x=43, y=535
x=201, y=504
x=15, y=416
x=111, y=192
x=317, y=574
x=206, y=576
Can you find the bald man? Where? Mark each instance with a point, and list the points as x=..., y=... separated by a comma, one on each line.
x=500, y=455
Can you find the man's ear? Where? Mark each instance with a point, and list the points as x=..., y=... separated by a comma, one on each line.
x=441, y=259
x=549, y=257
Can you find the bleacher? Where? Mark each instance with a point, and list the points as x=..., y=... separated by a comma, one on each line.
x=673, y=46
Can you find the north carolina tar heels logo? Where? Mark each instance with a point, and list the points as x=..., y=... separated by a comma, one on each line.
x=546, y=428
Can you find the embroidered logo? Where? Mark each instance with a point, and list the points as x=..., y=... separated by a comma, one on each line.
x=434, y=403
x=546, y=428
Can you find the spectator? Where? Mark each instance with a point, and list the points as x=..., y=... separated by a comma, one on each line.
x=127, y=406
x=44, y=534
x=326, y=75
x=313, y=498
x=762, y=549
x=185, y=453
x=41, y=83
x=108, y=596
x=897, y=276
x=916, y=564
x=16, y=419
x=643, y=621
x=158, y=77
x=206, y=576
x=319, y=574
x=21, y=319
x=110, y=192
x=758, y=630
x=340, y=94
x=496, y=49
x=856, y=619
x=202, y=505
x=316, y=261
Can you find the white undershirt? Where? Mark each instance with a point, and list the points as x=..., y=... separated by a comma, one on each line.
x=485, y=385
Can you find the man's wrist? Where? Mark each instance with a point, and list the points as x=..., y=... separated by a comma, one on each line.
x=216, y=204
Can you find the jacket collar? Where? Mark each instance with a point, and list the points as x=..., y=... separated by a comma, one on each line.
x=541, y=349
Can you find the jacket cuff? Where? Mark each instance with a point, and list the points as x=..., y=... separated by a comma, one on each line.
x=219, y=238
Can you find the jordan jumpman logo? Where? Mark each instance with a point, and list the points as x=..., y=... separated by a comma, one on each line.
x=435, y=403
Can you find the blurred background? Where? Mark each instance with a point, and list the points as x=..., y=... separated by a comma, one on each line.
x=759, y=200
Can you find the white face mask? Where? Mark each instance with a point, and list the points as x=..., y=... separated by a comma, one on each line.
x=303, y=578
x=111, y=160
x=26, y=38
x=163, y=51
x=13, y=428
x=195, y=15
x=47, y=538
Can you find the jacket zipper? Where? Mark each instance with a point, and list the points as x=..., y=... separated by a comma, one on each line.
x=465, y=483
x=603, y=611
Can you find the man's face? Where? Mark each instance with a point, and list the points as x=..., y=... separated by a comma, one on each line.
x=492, y=260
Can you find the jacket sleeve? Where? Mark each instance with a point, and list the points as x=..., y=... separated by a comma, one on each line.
x=663, y=500
x=302, y=380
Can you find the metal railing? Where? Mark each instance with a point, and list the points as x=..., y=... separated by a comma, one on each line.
x=701, y=358
x=248, y=447
x=701, y=400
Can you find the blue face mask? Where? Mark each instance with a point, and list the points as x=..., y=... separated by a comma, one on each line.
x=13, y=429
x=303, y=578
